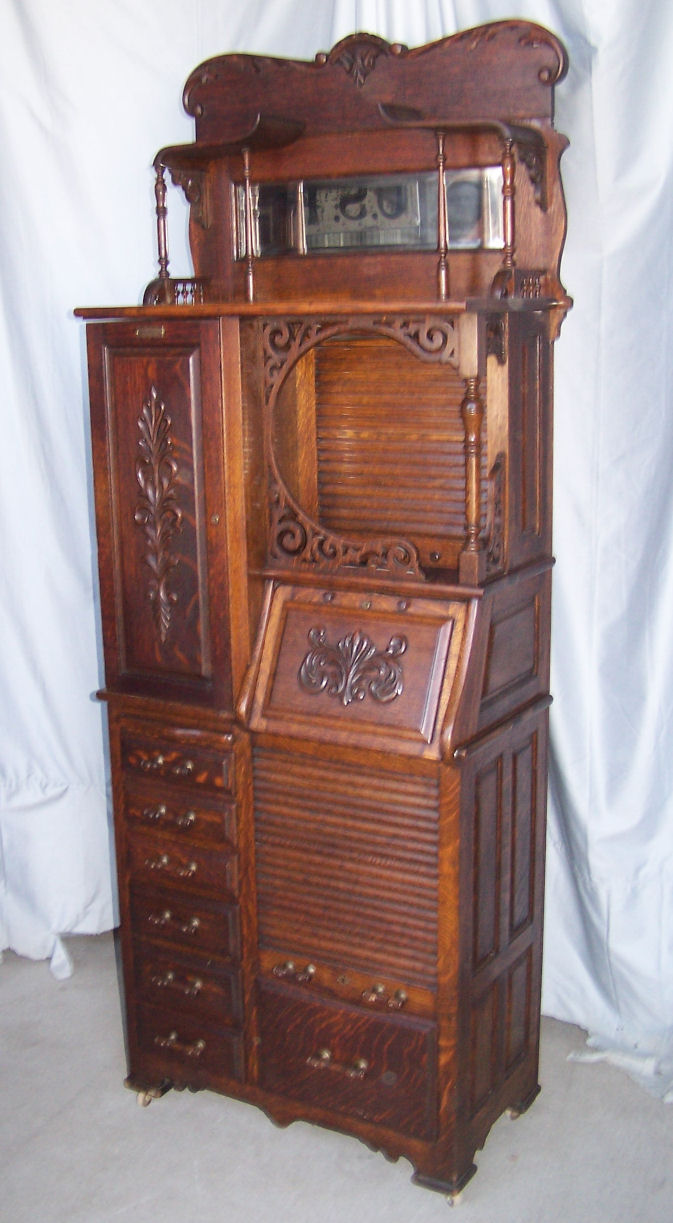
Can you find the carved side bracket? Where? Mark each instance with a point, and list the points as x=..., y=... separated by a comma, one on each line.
x=157, y=511
x=193, y=183
x=495, y=521
x=353, y=668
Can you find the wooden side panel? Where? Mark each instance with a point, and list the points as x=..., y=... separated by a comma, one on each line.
x=504, y=799
x=530, y=454
x=156, y=407
x=517, y=653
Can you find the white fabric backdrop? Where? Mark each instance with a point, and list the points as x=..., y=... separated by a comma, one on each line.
x=89, y=89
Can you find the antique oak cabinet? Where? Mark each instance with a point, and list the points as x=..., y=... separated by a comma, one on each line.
x=323, y=493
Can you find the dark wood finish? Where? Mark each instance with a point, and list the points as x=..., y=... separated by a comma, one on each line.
x=323, y=497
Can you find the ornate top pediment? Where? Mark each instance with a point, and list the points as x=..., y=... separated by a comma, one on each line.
x=502, y=69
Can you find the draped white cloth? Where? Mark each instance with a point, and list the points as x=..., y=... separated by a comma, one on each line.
x=89, y=90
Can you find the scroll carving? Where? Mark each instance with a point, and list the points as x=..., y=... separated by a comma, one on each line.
x=295, y=538
x=157, y=511
x=428, y=337
x=533, y=36
x=353, y=668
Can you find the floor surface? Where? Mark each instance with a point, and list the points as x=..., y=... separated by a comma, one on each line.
x=75, y=1148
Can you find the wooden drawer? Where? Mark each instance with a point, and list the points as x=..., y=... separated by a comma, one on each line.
x=346, y=1060
x=366, y=989
x=153, y=860
x=186, y=922
x=190, y=985
x=169, y=758
x=186, y=1050
x=165, y=809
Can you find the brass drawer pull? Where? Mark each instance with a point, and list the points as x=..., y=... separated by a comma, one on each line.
x=323, y=1060
x=166, y=919
x=172, y=1042
x=288, y=970
x=183, y=770
x=156, y=762
x=399, y=998
x=163, y=863
x=154, y=815
x=151, y=764
x=377, y=995
x=189, y=986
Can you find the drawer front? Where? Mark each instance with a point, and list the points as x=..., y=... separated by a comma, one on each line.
x=170, y=759
x=337, y=1057
x=370, y=990
x=187, y=1050
x=159, y=860
x=167, y=810
x=191, y=986
x=189, y=923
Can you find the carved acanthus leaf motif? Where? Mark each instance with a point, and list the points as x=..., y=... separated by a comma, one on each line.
x=357, y=55
x=157, y=511
x=353, y=667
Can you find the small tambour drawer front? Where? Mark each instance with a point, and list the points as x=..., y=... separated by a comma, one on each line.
x=166, y=810
x=186, y=1049
x=190, y=923
x=200, y=766
x=162, y=860
x=195, y=986
x=369, y=990
x=339, y=1058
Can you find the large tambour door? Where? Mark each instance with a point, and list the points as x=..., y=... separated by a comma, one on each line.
x=160, y=503
x=347, y=863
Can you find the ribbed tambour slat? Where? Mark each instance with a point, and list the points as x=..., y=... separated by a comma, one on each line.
x=346, y=861
x=372, y=474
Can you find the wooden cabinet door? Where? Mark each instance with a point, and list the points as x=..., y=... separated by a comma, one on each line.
x=158, y=427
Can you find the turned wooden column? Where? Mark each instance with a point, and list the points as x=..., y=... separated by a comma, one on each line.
x=472, y=557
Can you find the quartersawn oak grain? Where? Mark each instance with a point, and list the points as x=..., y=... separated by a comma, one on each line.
x=323, y=502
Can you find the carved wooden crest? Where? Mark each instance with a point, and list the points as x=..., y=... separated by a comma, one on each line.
x=358, y=54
